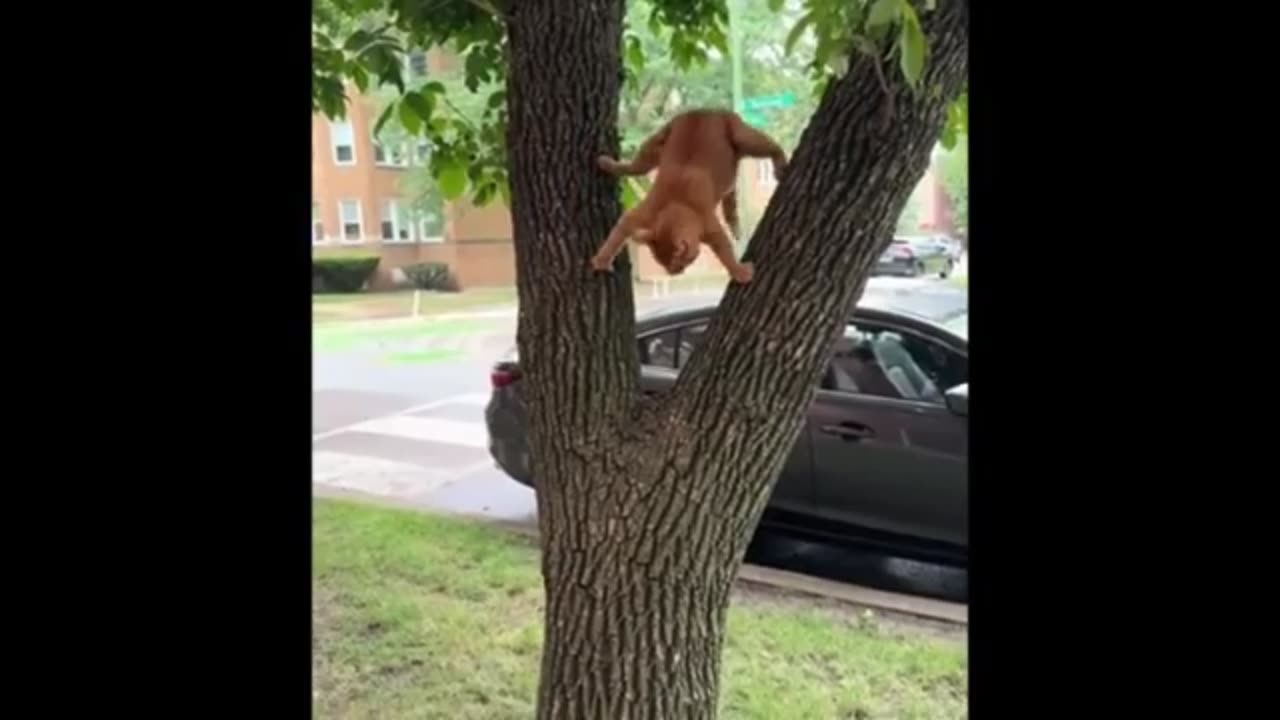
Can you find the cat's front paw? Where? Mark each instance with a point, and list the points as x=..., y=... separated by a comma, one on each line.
x=599, y=263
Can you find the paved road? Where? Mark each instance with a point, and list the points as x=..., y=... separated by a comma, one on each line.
x=399, y=413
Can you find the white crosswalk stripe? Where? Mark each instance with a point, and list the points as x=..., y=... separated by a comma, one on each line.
x=342, y=460
x=448, y=432
x=372, y=475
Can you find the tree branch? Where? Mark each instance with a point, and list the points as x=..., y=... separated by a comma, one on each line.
x=459, y=113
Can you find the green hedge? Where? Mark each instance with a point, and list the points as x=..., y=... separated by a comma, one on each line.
x=344, y=274
x=431, y=276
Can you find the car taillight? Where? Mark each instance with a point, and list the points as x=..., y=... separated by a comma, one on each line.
x=502, y=377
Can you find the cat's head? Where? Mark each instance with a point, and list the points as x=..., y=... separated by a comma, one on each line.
x=676, y=238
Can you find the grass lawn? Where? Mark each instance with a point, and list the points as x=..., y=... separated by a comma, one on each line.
x=336, y=307
x=423, y=357
x=344, y=336
x=959, y=280
x=423, y=616
x=361, y=306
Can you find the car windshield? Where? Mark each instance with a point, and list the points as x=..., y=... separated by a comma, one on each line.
x=958, y=324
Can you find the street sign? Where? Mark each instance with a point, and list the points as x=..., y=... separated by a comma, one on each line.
x=761, y=102
x=754, y=118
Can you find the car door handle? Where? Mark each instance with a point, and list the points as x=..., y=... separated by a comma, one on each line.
x=849, y=431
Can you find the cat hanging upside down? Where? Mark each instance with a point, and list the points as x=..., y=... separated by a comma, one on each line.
x=697, y=156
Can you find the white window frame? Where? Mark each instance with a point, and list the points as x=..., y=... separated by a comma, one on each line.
x=317, y=223
x=333, y=142
x=392, y=207
x=420, y=224
x=387, y=160
x=424, y=238
x=421, y=153
x=342, y=222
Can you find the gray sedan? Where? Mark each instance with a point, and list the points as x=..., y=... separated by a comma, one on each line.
x=915, y=257
x=883, y=459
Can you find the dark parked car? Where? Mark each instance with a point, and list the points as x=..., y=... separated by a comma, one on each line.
x=883, y=459
x=915, y=257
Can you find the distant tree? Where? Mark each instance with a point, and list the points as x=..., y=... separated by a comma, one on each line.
x=953, y=170
x=909, y=220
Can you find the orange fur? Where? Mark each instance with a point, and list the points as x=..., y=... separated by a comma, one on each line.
x=697, y=156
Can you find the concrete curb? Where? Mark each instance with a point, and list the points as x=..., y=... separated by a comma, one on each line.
x=927, y=608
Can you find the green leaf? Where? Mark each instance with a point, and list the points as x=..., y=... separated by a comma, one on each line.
x=797, y=31
x=477, y=67
x=775, y=5
x=948, y=139
x=383, y=118
x=358, y=40
x=635, y=54
x=497, y=99
x=911, y=49
x=630, y=198
x=410, y=119
x=422, y=105
x=504, y=189
x=433, y=88
x=884, y=12
x=360, y=77
x=717, y=38
x=453, y=180
x=484, y=194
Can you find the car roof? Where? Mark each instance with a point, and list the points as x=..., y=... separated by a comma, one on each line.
x=877, y=306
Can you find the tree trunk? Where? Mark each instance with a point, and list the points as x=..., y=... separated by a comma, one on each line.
x=646, y=506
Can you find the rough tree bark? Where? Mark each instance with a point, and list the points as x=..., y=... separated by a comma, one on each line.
x=646, y=505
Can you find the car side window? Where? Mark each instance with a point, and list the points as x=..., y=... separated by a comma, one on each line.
x=671, y=348
x=690, y=338
x=660, y=349
x=873, y=360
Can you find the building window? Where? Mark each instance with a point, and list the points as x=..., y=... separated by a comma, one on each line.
x=390, y=154
x=422, y=153
x=349, y=217
x=317, y=227
x=395, y=222
x=416, y=65
x=764, y=173
x=344, y=143
x=430, y=224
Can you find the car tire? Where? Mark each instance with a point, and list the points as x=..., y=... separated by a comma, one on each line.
x=946, y=270
x=919, y=269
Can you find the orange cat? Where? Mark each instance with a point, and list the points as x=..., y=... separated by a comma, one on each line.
x=697, y=155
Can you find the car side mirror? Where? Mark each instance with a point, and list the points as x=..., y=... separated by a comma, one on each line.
x=958, y=399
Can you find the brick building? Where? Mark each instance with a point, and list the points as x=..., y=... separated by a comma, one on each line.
x=358, y=203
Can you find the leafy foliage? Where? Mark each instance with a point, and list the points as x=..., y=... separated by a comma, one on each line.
x=670, y=53
x=431, y=276
x=342, y=274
